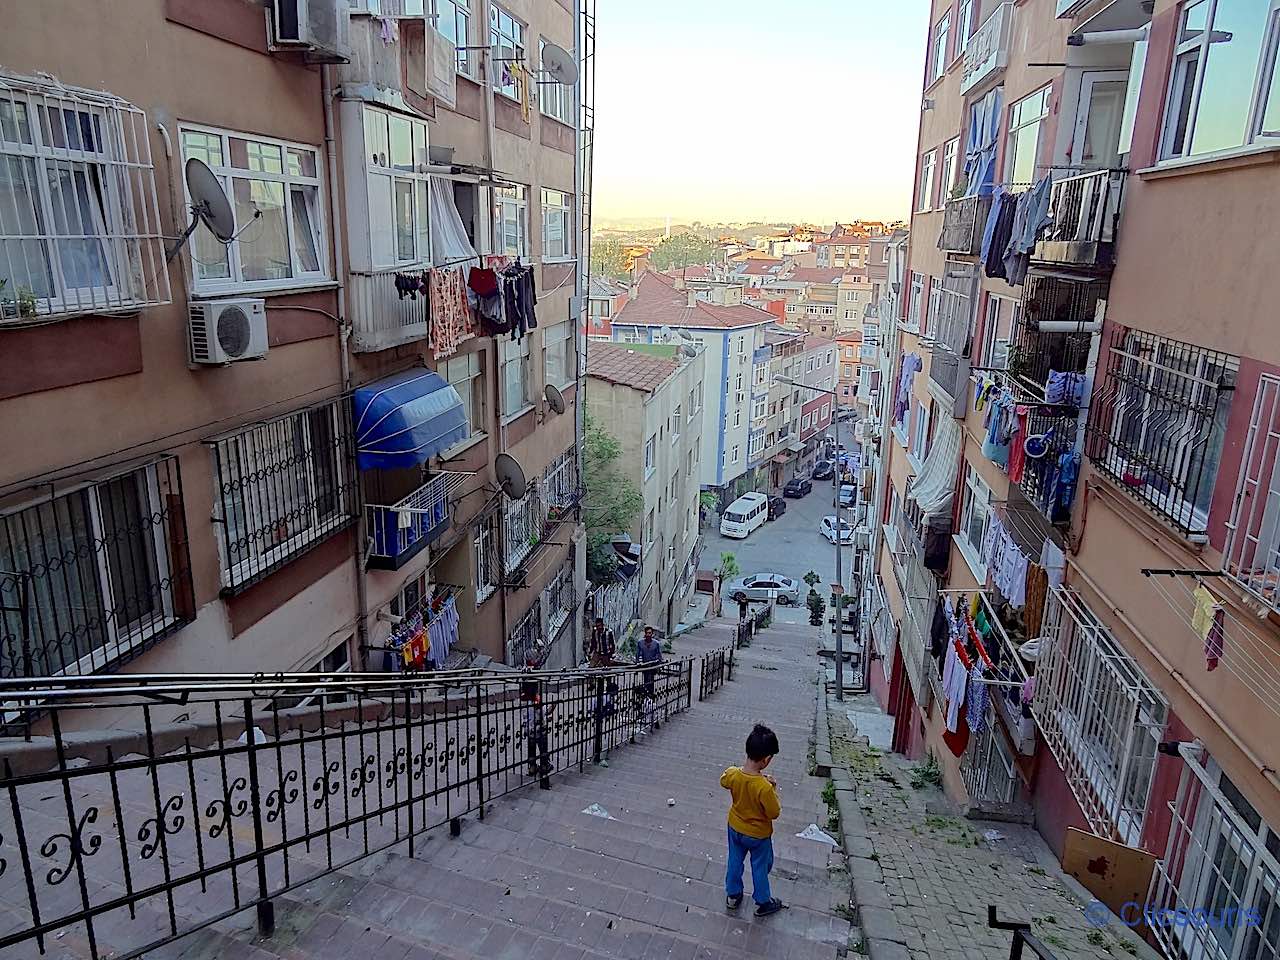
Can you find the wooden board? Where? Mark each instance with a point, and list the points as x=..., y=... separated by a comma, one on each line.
x=1114, y=873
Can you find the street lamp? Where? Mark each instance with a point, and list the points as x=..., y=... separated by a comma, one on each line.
x=835, y=482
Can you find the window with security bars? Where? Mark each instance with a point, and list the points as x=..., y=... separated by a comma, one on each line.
x=91, y=577
x=1158, y=423
x=485, y=557
x=561, y=484
x=526, y=644
x=1252, y=554
x=522, y=527
x=79, y=222
x=282, y=487
x=559, y=600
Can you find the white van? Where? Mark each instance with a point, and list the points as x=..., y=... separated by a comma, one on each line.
x=745, y=514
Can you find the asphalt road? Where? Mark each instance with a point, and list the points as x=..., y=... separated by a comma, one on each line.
x=790, y=545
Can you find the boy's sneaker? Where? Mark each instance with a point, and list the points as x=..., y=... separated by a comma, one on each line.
x=770, y=908
x=733, y=903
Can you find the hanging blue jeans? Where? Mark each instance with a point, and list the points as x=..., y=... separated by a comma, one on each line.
x=761, y=863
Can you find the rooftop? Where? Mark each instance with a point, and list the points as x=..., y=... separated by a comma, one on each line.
x=603, y=287
x=814, y=275
x=641, y=368
x=658, y=303
x=815, y=342
x=762, y=268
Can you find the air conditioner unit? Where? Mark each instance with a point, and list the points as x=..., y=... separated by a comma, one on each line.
x=318, y=27
x=224, y=331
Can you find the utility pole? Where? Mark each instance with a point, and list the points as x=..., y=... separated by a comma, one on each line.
x=838, y=592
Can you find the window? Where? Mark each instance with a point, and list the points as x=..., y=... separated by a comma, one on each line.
x=283, y=486
x=466, y=375
x=485, y=547
x=107, y=566
x=757, y=410
x=939, y=49
x=559, y=353
x=1159, y=423
x=274, y=189
x=521, y=527
x=1224, y=90
x=920, y=436
x=947, y=181
x=506, y=34
x=557, y=225
x=964, y=24
x=650, y=455
x=1022, y=150
x=924, y=189
x=1252, y=554
x=525, y=645
x=511, y=221
x=453, y=20
x=560, y=484
x=931, y=319
x=412, y=593
x=1001, y=318
x=738, y=383
x=805, y=421
x=695, y=400
x=395, y=149
x=554, y=99
x=675, y=424
x=846, y=371
x=78, y=227
x=734, y=458
x=600, y=307
x=559, y=600
x=630, y=335
x=513, y=357
x=975, y=514
x=914, y=302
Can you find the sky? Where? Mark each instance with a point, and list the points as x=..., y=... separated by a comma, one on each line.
x=746, y=110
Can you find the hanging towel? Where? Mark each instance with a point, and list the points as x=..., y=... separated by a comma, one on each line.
x=1054, y=562
x=1213, y=641
x=1207, y=621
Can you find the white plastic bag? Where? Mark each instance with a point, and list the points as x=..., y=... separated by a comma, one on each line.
x=813, y=832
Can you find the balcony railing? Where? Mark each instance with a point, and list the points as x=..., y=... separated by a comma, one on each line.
x=962, y=223
x=383, y=316
x=1085, y=211
x=987, y=52
x=1059, y=425
x=1047, y=298
x=1252, y=555
x=399, y=532
x=160, y=829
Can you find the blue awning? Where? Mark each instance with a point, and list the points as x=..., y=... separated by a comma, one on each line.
x=405, y=419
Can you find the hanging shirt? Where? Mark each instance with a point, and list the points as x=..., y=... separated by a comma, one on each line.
x=977, y=695
x=954, y=684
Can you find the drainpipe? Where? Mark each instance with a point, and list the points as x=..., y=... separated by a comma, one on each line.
x=344, y=352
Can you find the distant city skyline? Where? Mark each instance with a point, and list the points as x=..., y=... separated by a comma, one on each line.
x=720, y=111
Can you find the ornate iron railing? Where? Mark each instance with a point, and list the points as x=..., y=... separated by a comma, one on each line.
x=193, y=798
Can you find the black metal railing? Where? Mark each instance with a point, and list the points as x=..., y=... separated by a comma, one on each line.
x=1035, y=348
x=1042, y=480
x=1085, y=211
x=963, y=220
x=282, y=487
x=151, y=808
x=1158, y=420
x=1024, y=942
x=92, y=577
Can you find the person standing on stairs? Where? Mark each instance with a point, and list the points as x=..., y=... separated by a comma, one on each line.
x=536, y=723
x=754, y=808
x=648, y=651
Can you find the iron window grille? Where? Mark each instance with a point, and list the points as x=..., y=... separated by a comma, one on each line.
x=561, y=481
x=987, y=767
x=522, y=523
x=282, y=487
x=1252, y=554
x=485, y=557
x=1100, y=716
x=95, y=575
x=79, y=227
x=1158, y=423
x=527, y=642
x=1051, y=296
x=559, y=600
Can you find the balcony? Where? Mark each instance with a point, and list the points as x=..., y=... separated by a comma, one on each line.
x=1059, y=425
x=1050, y=300
x=400, y=531
x=988, y=49
x=949, y=368
x=381, y=316
x=962, y=223
x=1085, y=211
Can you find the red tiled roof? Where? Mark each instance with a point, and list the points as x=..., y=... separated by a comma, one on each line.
x=614, y=363
x=814, y=275
x=657, y=303
x=761, y=268
x=815, y=342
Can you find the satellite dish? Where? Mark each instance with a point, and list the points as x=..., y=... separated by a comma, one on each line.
x=555, y=399
x=510, y=476
x=665, y=333
x=208, y=206
x=559, y=64
x=208, y=201
x=687, y=351
x=686, y=336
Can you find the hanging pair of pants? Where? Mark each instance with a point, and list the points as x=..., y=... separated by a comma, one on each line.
x=761, y=851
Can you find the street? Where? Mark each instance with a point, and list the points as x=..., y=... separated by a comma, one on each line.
x=790, y=545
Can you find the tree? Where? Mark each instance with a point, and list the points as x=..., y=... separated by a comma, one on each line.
x=609, y=258
x=610, y=501
x=812, y=579
x=728, y=566
x=682, y=250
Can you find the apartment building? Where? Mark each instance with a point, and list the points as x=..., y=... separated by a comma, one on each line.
x=729, y=336
x=1131, y=472
x=854, y=295
x=845, y=248
x=849, y=372
x=813, y=410
x=275, y=452
x=645, y=397
x=605, y=298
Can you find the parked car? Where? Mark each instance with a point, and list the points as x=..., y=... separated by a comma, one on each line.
x=777, y=507
x=846, y=414
x=797, y=487
x=828, y=529
x=758, y=586
x=847, y=496
x=823, y=470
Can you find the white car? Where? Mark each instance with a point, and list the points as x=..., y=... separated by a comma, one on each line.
x=828, y=529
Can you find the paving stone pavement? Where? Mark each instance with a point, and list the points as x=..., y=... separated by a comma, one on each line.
x=940, y=873
x=540, y=878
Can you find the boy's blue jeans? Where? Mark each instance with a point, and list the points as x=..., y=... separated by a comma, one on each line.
x=761, y=863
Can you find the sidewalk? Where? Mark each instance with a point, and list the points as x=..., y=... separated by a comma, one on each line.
x=923, y=875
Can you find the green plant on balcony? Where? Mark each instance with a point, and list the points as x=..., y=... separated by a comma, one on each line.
x=19, y=303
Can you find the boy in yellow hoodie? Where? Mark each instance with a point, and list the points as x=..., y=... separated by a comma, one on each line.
x=755, y=806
